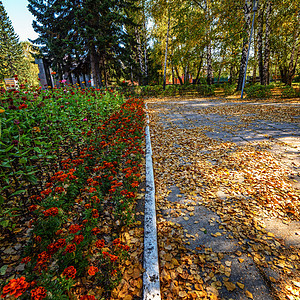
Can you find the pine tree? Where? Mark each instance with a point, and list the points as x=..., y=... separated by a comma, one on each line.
x=11, y=53
x=86, y=35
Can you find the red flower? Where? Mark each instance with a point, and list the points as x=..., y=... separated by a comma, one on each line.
x=75, y=228
x=52, y=248
x=38, y=293
x=69, y=272
x=78, y=239
x=60, y=243
x=95, y=213
x=32, y=207
x=42, y=258
x=26, y=260
x=93, y=270
x=23, y=105
x=53, y=211
x=46, y=192
x=100, y=244
x=70, y=248
x=38, y=239
x=91, y=190
x=113, y=257
x=116, y=241
x=59, y=190
x=95, y=231
x=87, y=297
x=15, y=287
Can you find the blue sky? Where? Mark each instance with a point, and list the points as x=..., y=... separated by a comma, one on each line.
x=21, y=18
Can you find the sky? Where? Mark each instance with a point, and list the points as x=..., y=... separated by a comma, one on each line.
x=21, y=18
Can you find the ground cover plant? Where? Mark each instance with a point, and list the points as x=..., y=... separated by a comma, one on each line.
x=70, y=169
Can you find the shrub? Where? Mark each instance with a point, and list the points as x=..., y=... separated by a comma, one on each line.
x=258, y=91
x=290, y=92
x=229, y=89
x=205, y=90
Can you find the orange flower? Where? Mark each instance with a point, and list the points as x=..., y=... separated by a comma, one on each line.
x=26, y=260
x=95, y=231
x=78, y=239
x=75, y=228
x=53, y=211
x=93, y=270
x=38, y=293
x=87, y=297
x=100, y=244
x=69, y=272
x=15, y=287
x=70, y=248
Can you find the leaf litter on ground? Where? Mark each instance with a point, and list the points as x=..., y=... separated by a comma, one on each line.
x=255, y=185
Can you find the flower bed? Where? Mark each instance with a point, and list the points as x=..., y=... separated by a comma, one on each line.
x=78, y=215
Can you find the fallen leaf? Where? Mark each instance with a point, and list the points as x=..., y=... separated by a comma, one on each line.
x=248, y=294
x=229, y=286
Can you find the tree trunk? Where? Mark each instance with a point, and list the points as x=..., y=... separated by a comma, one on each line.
x=166, y=52
x=220, y=69
x=94, y=61
x=266, y=75
x=140, y=57
x=246, y=43
x=260, y=43
x=145, y=56
x=177, y=73
x=199, y=69
x=210, y=79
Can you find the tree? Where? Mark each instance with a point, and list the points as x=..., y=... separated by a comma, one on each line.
x=11, y=53
x=285, y=39
x=89, y=31
x=27, y=69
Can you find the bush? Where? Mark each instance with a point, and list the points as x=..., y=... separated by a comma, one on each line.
x=229, y=89
x=205, y=90
x=258, y=91
x=290, y=92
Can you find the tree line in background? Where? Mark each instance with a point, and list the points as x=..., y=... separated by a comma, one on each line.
x=103, y=38
x=211, y=38
x=15, y=58
x=152, y=41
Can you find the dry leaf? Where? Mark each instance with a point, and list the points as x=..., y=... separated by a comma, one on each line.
x=229, y=286
x=248, y=294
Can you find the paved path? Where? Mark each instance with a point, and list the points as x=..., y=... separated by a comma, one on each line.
x=227, y=177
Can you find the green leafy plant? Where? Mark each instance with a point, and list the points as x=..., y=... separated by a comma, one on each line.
x=258, y=91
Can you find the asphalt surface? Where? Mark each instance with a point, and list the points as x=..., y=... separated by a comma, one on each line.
x=241, y=123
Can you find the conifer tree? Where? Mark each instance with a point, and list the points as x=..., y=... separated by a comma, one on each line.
x=11, y=53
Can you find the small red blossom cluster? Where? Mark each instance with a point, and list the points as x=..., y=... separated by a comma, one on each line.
x=53, y=211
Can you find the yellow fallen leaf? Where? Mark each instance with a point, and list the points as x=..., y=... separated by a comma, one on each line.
x=248, y=294
x=228, y=263
x=241, y=260
x=240, y=285
x=229, y=286
x=186, y=218
x=182, y=294
x=272, y=279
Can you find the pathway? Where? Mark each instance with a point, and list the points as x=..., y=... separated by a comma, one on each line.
x=227, y=178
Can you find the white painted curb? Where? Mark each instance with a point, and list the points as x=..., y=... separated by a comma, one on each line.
x=151, y=284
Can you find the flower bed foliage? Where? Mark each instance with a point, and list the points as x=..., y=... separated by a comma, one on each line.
x=77, y=186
